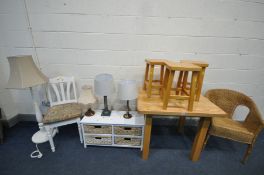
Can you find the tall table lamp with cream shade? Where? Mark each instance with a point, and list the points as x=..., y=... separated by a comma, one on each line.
x=127, y=90
x=25, y=74
x=87, y=99
x=104, y=86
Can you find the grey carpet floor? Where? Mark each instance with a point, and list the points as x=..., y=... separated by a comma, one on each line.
x=169, y=154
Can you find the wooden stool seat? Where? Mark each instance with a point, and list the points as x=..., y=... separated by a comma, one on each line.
x=149, y=82
x=171, y=68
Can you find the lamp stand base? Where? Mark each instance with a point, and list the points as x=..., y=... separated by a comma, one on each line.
x=89, y=112
x=41, y=136
x=106, y=112
x=127, y=116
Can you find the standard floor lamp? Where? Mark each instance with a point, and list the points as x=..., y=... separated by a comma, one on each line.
x=25, y=74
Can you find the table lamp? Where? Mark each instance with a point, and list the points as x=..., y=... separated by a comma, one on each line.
x=25, y=74
x=87, y=99
x=104, y=86
x=127, y=90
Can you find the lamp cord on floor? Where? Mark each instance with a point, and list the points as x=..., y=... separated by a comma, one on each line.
x=36, y=154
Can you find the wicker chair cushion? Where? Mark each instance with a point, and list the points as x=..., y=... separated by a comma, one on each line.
x=234, y=130
x=62, y=112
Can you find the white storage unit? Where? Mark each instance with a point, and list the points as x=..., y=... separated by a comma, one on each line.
x=114, y=130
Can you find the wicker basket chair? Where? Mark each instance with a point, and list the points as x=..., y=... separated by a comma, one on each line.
x=246, y=131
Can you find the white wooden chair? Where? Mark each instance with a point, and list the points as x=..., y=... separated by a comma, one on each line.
x=64, y=108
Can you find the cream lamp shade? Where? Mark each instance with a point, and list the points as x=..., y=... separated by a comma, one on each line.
x=86, y=95
x=24, y=73
x=127, y=90
x=87, y=100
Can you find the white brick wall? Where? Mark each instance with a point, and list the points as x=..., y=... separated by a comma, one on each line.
x=87, y=37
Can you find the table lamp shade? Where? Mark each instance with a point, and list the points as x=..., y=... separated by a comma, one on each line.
x=24, y=73
x=104, y=85
x=86, y=96
x=127, y=90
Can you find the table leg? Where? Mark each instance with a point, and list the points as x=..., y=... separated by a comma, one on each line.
x=181, y=124
x=199, y=139
x=147, y=134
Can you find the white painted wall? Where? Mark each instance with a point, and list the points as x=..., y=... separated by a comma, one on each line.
x=87, y=37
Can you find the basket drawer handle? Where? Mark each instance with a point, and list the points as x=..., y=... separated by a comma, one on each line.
x=97, y=126
x=98, y=137
x=127, y=138
x=127, y=128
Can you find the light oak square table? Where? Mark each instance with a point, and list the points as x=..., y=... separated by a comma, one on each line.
x=152, y=107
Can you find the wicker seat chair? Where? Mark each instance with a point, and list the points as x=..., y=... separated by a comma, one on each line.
x=246, y=131
x=64, y=108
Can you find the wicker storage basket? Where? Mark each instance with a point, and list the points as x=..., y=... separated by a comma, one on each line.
x=98, y=140
x=127, y=141
x=97, y=129
x=135, y=131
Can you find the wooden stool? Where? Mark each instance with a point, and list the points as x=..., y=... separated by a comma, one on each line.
x=171, y=68
x=149, y=82
x=183, y=84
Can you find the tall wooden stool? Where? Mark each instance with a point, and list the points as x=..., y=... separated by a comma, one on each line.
x=171, y=68
x=149, y=82
x=182, y=85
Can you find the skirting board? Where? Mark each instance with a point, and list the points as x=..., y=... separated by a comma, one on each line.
x=18, y=118
x=167, y=120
